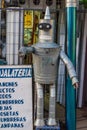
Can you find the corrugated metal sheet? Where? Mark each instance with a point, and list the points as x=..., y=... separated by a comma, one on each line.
x=61, y=69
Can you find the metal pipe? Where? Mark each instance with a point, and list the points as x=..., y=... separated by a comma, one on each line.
x=52, y=106
x=61, y=66
x=71, y=52
x=21, y=33
x=83, y=60
x=39, y=119
x=12, y=35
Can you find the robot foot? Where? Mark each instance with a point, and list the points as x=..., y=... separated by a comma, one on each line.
x=39, y=122
x=51, y=122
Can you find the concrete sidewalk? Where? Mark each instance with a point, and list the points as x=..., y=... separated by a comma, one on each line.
x=82, y=119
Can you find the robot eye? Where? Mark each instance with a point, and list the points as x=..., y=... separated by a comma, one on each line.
x=44, y=26
x=48, y=26
x=40, y=26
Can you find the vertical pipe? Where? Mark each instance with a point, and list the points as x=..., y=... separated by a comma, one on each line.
x=71, y=52
x=16, y=36
x=82, y=68
x=12, y=35
x=61, y=70
x=21, y=31
x=9, y=36
x=52, y=106
x=39, y=119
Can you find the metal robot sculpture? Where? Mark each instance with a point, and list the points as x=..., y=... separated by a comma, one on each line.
x=45, y=62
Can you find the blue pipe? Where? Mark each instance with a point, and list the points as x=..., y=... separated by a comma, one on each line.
x=71, y=52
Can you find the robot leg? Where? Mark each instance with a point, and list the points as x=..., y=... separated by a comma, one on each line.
x=52, y=105
x=39, y=119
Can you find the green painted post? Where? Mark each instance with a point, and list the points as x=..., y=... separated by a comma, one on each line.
x=71, y=52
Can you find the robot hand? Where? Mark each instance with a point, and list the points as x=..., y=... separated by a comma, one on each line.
x=75, y=82
x=76, y=85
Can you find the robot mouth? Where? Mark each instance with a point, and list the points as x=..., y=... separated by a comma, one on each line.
x=45, y=37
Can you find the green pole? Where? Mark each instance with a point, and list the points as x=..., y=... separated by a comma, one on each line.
x=71, y=52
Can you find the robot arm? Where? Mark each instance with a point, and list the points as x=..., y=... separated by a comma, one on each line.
x=70, y=68
x=25, y=50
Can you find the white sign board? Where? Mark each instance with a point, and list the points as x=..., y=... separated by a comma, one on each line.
x=16, y=98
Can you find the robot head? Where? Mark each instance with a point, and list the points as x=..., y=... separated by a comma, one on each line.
x=46, y=28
